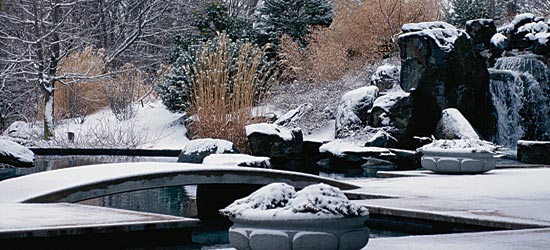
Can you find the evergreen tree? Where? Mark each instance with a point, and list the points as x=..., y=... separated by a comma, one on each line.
x=460, y=11
x=293, y=17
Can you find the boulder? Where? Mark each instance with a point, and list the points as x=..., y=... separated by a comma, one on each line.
x=441, y=69
x=382, y=139
x=346, y=154
x=294, y=115
x=392, y=109
x=352, y=110
x=386, y=77
x=283, y=146
x=196, y=150
x=481, y=31
x=406, y=159
x=453, y=125
x=15, y=155
x=526, y=32
x=536, y=152
x=241, y=160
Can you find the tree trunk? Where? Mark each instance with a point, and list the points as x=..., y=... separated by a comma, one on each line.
x=48, y=114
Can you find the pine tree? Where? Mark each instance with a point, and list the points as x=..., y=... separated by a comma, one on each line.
x=460, y=11
x=293, y=17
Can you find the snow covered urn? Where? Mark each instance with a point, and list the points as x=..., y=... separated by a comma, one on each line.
x=277, y=217
x=461, y=156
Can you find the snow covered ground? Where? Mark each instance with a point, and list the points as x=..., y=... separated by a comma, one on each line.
x=153, y=126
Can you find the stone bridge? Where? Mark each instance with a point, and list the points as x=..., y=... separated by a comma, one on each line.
x=87, y=182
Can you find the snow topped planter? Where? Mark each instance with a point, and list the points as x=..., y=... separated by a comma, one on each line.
x=466, y=156
x=277, y=217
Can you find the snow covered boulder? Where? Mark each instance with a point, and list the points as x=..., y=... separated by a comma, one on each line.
x=441, y=69
x=481, y=31
x=196, y=150
x=382, y=139
x=526, y=32
x=283, y=146
x=467, y=156
x=294, y=115
x=277, y=217
x=352, y=110
x=242, y=160
x=386, y=77
x=414, y=27
x=15, y=155
x=453, y=125
x=346, y=154
x=393, y=109
x=536, y=152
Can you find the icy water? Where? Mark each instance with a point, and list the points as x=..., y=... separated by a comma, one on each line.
x=177, y=201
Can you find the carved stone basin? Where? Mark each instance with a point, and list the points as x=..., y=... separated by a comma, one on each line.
x=348, y=233
x=451, y=161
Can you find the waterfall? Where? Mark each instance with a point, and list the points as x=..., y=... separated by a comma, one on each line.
x=521, y=102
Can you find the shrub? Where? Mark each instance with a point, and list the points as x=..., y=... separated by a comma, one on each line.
x=219, y=82
x=293, y=18
x=361, y=33
x=123, y=90
x=458, y=12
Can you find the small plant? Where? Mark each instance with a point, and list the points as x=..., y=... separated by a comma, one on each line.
x=123, y=90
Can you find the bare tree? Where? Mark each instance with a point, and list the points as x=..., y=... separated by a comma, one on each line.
x=35, y=35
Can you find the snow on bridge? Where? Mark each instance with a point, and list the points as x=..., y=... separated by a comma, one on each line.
x=87, y=182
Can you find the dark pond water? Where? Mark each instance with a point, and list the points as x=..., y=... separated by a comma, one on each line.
x=177, y=201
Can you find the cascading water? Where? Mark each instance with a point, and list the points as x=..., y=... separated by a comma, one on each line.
x=521, y=103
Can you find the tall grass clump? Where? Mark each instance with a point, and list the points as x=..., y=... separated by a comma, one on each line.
x=219, y=84
x=361, y=33
x=79, y=93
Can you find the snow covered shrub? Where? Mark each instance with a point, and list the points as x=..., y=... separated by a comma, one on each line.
x=361, y=32
x=281, y=200
x=80, y=96
x=219, y=82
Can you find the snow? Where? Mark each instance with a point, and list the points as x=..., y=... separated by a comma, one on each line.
x=279, y=201
x=386, y=71
x=269, y=129
x=414, y=27
x=15, y=216
x=323, y=134
x=521, y=17
x=351, y=101
x=294, y=115
x=445, y=38
x=236, y=160
x=455, y=123
x=460, y=146
x=207, y=144
x=341, y=148
x=9, y=148
x=531, y=143
x=152, y=127
x=534, y=27
x=499, y=41
x=388, y=100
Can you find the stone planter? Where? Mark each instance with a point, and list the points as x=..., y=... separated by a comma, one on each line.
x=449, y=161
x=348, y=233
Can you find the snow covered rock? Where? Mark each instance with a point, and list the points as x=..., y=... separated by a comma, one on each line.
x=242, y=160
x=347, y=154
x=526, y=32
x=386, y=77
x=294, y=115
x=196, y=150
x=352, y=110
x=441, y=69
x=414, y=27
x=15, y=155
x=461, y=145
x=481, y=31
x=393, y=109
x=536, y=152
x=453, y=125
x=19, y=130
x=382, y=139
x=283, y=146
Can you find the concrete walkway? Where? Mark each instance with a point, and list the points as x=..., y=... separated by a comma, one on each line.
x=530, y=239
